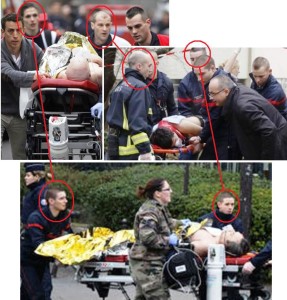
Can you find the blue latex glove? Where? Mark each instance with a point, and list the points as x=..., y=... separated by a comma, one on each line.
x=173, y=240
x=185, y=222
x=96, y=110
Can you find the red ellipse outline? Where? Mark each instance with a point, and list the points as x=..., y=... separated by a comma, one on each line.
x=44, y=24
x=213, y=202
x=185, y=50
x=73, y=200
x=113, y=21
x=154, y=69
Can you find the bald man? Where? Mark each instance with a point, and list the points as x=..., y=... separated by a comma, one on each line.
x=129, y=113
x=260, y=129
x=101, y=23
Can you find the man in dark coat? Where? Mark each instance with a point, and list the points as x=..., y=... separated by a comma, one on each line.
x=260, y=129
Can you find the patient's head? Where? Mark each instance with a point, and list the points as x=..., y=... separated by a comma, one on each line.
x=165, y=138
x=78, y=69
x=234, y=242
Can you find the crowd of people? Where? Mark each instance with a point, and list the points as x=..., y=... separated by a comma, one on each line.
x=230, y=120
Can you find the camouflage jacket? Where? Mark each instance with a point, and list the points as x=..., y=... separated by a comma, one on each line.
x=152, y=226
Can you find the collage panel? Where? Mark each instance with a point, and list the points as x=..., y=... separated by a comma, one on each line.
x=107, y=226
x=205, y=103
x=51, y=94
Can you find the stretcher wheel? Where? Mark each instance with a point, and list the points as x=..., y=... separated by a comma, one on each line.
x=262, y=294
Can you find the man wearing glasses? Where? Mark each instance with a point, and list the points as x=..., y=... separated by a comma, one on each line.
x=226, y=143
x=259, y=127
x=30, y=15
x=17, y=57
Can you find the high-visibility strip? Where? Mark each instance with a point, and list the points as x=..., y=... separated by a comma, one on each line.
x=128, y=150
x=35, y=225
x=125, y=119
x=276, y=102
x=140, y=138
x=150, y=111
x=187, y=100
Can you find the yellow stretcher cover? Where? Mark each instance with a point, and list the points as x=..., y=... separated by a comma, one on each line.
x=74, y=248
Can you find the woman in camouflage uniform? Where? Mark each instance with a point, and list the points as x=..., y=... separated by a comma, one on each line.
x=153, y=227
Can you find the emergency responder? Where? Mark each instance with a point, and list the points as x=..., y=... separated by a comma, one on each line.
x=260, y=129
x=138, y=24
x=51, y=223
x=30, y=14
x=153, y=227
x=129, y=110
x=161, y=90
x=223, y=215
x=35, y=179
x=267, y=86
x=190, y=94
x=101, y=24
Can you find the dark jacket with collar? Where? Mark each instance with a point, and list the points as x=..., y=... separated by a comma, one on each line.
x=260, y=129
x=236, y=223
x=30, y=202
x=12, y=78
x=40, y=230
x=161, y=90
x=273, y=92
x=225, y=139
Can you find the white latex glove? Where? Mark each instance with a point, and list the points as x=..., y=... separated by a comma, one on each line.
x=96, y=110
x=248, y=268
x=146, y=156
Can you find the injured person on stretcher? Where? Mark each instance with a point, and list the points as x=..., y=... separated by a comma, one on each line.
x=72, y=58
x=175, y=131
x=234, y=242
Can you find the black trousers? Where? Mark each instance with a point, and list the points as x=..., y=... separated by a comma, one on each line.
x=36, y=282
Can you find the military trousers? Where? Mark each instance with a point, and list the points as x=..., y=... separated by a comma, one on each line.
x=148, y=277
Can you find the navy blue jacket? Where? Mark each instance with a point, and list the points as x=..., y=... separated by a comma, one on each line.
x=162, y=104
x=263, y=256
x=190, y=95
x=236, y=224
x=40, y=230
x=273, y=92
x=130, y=112
x=30, y=202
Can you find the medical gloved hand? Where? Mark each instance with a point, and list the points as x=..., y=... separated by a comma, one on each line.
x=185, y=222
x=173, y=239
x=248, y=268
x=96, y=110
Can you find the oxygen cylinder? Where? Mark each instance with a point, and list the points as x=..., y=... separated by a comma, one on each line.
x=58, y=137
x=215, y=265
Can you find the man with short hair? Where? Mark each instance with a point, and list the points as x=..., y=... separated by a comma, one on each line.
x=49, y=224
x=260, y=129
x=161, y=90
x=190, y=96
x=101, y=23
x=224, y=213
x=17, y=58
x=267, y=86
x=138, y=24
x=129, y=110
x=30, y=15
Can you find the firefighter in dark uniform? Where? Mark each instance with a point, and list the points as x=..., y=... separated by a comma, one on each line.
x=161, y=90
x=51, y=223
x=35, y=179
x=129, y=112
